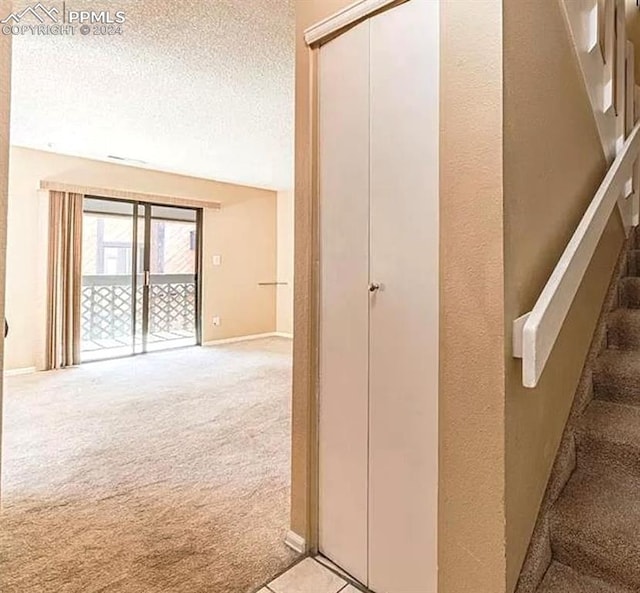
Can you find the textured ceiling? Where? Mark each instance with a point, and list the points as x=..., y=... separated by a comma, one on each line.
x=201, y=87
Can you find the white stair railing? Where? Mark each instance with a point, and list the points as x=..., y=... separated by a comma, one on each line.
x=535, y=333
x=606, y=57
x=598, y=31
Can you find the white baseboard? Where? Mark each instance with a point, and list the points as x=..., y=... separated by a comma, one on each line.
x=25, y=371
x=283, y=335
x=296, y=542
x=240, y=339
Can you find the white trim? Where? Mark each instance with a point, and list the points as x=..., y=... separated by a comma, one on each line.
x=585, y=29
x=286, y=335
x=24, y=371
x=635, y=197
x=541, y=328
x=592, y=27
x=296, y=542
x=343, y=18
x=241, y=339
x=630, y=111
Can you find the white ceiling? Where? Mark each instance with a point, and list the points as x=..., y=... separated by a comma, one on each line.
x=201, y=87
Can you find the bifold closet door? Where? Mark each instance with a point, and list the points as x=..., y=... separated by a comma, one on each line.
x=344, y=300
x=403, y=439
x=378, y=375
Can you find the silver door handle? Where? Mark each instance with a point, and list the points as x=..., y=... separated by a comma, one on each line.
x=374, y=287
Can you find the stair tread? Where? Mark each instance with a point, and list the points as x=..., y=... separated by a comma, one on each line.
x=622, y=316
x=595, y=525
x=617, y=376
x=626, y=362
x=623, y=329
x=630, y=280
x=633, y=258
x=614, y=422
x=563, y=579
x=624, y=313
x=629, y=292
x=617, y=357
x=608, y=439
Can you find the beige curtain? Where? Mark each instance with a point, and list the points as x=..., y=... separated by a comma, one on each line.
x=65, y=279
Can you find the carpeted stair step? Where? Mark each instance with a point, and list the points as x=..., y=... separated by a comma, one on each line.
x=630, y=292
x=608, y=439
x=633, y=262
x=595, y=526
x=563, y=579
x=616, y=377
x=623, y=329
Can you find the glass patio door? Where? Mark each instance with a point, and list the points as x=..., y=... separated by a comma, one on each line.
x=140, y=283
x=109, y=259
x=171, y=263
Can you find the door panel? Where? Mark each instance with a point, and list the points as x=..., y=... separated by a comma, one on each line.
x=344, y=215
x=139, y=231
x=378, y=376
x=172, y=263
x=404, y=313
x=108, y=261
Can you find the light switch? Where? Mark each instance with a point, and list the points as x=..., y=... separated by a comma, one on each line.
x=217, y=260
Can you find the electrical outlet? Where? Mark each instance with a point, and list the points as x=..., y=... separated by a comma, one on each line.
x=216, y=321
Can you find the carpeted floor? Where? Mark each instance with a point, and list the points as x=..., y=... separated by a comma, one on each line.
x=158, y=474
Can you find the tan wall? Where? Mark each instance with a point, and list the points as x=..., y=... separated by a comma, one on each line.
x=553, y=164
x=243, y=232
x=284, y=315
x=471, y=521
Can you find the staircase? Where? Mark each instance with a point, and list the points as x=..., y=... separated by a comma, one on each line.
x=594, y=525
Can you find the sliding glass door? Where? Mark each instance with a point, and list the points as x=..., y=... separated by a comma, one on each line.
x=172, y=278
x=108, y=282
x=140, y=285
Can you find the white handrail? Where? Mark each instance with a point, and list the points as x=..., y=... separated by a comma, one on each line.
x=535, y=333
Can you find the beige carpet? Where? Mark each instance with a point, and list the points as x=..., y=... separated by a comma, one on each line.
x=163, y=473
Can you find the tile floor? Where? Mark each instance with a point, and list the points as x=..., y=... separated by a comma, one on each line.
x=309, y=576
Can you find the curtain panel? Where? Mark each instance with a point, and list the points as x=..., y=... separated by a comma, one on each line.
x=65, y=279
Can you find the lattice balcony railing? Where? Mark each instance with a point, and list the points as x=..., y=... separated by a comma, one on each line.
x=107, y=306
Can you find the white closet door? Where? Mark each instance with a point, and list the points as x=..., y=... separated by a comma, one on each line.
x=403, y=495
x=344, y=302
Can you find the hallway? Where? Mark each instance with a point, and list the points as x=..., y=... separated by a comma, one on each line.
x=162, y=473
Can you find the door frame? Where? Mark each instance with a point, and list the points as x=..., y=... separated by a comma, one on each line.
x=147, y=255
x=5, y=109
